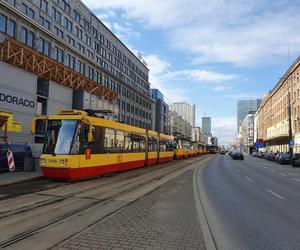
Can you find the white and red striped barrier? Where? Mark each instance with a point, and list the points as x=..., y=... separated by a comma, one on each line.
x=10, y=160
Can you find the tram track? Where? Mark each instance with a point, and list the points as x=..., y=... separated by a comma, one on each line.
x=112, y=191
x=105, y=181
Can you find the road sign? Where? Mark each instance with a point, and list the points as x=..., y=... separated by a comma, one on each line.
x=291, y=143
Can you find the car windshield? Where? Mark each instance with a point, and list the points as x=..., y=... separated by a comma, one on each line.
x=59, y=136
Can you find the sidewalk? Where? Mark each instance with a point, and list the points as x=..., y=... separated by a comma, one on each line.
x=16, y=177
x=164, y=219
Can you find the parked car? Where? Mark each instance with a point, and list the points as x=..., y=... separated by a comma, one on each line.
x=296, y=160
x=277, y=156
x=266, y=155
x=272, y=156
x=254, y=154
x=222, y=152
x=284, y=158
x=237, y=155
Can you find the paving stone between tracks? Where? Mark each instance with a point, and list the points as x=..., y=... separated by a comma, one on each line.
x=164, y=219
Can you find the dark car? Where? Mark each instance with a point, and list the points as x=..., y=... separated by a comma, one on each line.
x=277, y=157
x=266, y=156
x=272, y=156
x=254, y=154
x=222, y=152
x=284, y=158
x=237, y=155
x=296, y=160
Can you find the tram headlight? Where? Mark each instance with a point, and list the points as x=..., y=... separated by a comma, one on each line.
x=43, y=162
x=62, y=162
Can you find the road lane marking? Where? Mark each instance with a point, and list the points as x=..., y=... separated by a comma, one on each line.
x=248, y=178
x=265, y=167
x=292, y=174
x=282, y=174
x=266, y=164
x=272, y=170
x=295, y=179
x=277, y=195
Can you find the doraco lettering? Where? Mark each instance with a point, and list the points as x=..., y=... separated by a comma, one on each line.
x=16, y=100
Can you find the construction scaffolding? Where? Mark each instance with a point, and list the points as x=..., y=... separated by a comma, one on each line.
x=22, y=56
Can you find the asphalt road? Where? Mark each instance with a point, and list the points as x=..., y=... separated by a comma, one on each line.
x=251, y=204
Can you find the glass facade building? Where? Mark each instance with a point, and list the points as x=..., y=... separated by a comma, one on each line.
x=243, y=108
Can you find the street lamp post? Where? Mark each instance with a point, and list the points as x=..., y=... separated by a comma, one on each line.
x=290, y=123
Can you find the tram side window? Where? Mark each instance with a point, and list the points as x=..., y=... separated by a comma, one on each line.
x=128, y=143
x=96, y=146
x=138, y=143
x=120, y=141
x=152, y=144
x=162, y=146
x=109, y=140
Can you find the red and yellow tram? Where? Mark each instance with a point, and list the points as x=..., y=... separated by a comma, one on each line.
x=79, y=145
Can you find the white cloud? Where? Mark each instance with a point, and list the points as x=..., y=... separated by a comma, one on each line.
x=243, y=96
x=158, y=68
x=221, y=88
x=225, y=129
x=202, y=75
x=239, y=32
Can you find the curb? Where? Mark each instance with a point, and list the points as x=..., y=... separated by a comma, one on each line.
x=210, y=244
x=36, y=178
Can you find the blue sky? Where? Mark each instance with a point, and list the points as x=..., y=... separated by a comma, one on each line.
x=210, y=53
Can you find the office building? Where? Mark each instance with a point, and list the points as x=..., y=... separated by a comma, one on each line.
x=187, y=111
x=160, y=112
x=206, y=126
x=247, y=132
x=199, y=136
x=62, y=56
x=243, y=108
x=179, y=126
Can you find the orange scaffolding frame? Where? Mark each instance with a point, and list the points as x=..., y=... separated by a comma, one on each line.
x=22, y=56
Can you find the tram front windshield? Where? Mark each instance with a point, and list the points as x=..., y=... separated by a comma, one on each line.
x=59, y=136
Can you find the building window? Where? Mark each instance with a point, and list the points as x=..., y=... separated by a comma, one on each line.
x=44, y=5
x=90, y=73
x=88, y=40
x=58, y=32
x=27, y=37
x=71, y=41
x=77, y=16
x=81, y=67
x=81, y=48
x=7, y=26
x=70, y=61
x=45, y=23
x=56, y=15
x=58, y=54
x=27, y=11
x=44, y=47
x=79, y=32
x=68, y=24
x=98, y=77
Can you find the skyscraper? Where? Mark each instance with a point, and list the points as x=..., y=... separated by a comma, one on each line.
x=187, y=111
x=206, y=126
x=243, y=108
